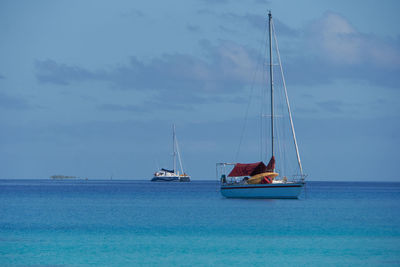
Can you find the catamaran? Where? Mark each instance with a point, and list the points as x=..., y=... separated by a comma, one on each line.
x=166, y=175
x=257, y=180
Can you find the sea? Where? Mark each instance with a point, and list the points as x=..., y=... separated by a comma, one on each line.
x=142, y=223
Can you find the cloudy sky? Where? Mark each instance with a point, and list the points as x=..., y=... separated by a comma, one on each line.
x=91, y=88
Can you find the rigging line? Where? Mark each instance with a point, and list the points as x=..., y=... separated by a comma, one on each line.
x=262, y=141
x=280, y=134
x=279, y=151
x=173, y=145
x=287, y=101
x=179, y=154
x=281, y=131
x=251, y=95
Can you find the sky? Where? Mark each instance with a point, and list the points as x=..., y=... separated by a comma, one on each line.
x=92, y=88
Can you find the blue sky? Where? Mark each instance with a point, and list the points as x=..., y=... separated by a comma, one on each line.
x=91, y=88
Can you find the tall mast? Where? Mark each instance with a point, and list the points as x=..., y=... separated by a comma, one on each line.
x=174, y=146
x=271, y=74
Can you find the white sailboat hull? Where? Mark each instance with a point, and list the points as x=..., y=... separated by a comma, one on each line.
x=277, y=191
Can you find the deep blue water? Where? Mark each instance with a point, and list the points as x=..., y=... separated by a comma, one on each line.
x=135, y=223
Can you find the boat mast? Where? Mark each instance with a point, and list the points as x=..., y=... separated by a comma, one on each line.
x=174, y=146
x=271, y=81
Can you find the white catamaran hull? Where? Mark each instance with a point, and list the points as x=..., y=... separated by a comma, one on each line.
x=171, y=179
x=291, y=190
x=165, y=179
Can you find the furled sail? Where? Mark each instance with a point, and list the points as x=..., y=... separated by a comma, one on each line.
x=252, y=169
x=271, y=164
x=247, y=169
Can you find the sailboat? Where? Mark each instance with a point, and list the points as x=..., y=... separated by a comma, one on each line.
x=257, y=180
x=166, y=175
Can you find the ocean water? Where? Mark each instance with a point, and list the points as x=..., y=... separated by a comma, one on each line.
x=139, y=223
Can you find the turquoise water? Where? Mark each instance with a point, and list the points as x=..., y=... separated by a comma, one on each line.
x=135, y=223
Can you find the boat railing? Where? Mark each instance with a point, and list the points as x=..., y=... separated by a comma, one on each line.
x=300, y=177
x=221, y=171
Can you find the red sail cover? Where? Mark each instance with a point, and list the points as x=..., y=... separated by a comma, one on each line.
x=250, y=169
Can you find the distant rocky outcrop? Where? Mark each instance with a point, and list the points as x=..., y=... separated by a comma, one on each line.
x=62, y=177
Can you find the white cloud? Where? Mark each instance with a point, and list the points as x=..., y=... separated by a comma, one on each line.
x=334, y=39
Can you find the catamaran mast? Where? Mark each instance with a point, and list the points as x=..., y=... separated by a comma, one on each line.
x=174, y=146
x=271, y=74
